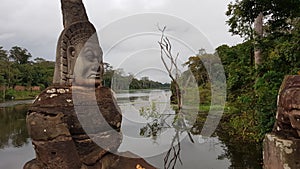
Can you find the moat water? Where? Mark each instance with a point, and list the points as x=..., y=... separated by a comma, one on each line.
x=139, y=136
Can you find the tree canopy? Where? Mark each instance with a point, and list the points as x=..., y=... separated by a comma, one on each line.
x=17, y=69
x=279, y=16
x=19, y=55
x=252, y=92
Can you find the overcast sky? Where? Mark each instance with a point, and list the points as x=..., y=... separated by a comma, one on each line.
x=127, y=28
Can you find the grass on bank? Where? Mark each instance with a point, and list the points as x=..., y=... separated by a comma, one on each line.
x=11, y=94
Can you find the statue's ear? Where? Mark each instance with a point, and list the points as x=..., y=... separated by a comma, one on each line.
x=71, y=60
x=71, y=51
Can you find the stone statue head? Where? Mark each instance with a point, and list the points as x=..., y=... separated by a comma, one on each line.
x=88, y=68
x=288, y=111
x=78, y=55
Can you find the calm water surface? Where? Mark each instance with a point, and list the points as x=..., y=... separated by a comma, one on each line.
x=216, y=152
x=15, y=146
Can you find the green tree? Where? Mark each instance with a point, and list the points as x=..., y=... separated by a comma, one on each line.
x=246, y=19
x=253, y=113
x=43, y=71
x=19, y=55
x=108, y=74
x=26, y=74
x=3, y=54
x=3, y=64
x=198, y=65
x=278, y=16
x=39, y=60
x=6, y=71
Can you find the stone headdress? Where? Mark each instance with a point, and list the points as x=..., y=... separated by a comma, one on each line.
x=77, y=29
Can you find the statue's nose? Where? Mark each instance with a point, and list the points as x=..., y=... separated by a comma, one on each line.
x=96, y=68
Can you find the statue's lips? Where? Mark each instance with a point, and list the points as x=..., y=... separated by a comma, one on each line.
x=94, y=76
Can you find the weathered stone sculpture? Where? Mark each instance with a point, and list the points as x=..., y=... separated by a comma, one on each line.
x=288, y=112
x=59, y=139
x=282, y=146
x=75, y=123
x=78, y=43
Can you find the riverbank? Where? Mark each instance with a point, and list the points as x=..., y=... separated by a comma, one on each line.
x=15, y=102
x=11, y=94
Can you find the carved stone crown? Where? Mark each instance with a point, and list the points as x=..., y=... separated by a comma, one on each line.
x=73, y=11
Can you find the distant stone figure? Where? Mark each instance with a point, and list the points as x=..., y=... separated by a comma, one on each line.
x=281, y=148
x=288, y=112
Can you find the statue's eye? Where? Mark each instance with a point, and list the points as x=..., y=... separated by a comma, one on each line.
x=297, y=118
x=90, y=55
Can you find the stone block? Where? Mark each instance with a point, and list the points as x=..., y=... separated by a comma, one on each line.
x=280, y=153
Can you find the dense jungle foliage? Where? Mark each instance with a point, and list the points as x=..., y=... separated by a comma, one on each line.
x=252, y=88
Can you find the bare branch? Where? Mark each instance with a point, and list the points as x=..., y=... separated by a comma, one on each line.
x=166, y=54
x=176, y=153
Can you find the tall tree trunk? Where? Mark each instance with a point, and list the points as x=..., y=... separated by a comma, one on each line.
x=258, y=33
x=4, y=92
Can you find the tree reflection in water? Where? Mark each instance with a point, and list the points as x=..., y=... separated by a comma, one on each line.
x=13, y=131
x=241, y=154
x=161, y=121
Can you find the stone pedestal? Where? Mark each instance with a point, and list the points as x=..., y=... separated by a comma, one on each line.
x=60, y=139
x=281, y=153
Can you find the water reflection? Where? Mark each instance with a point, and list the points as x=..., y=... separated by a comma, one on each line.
x=218, y=152
x=241, y=154
x=13, y=131
x=144, y=117
x=15, y=145
x=172, y=145
x=132, y=96
x=180, y=120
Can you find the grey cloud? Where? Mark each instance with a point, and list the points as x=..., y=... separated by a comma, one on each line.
x=36, y=24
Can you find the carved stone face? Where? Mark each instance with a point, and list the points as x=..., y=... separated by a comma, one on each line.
x=88, y=67
x=292, y=103
x=295, y=120
x=288, y=111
